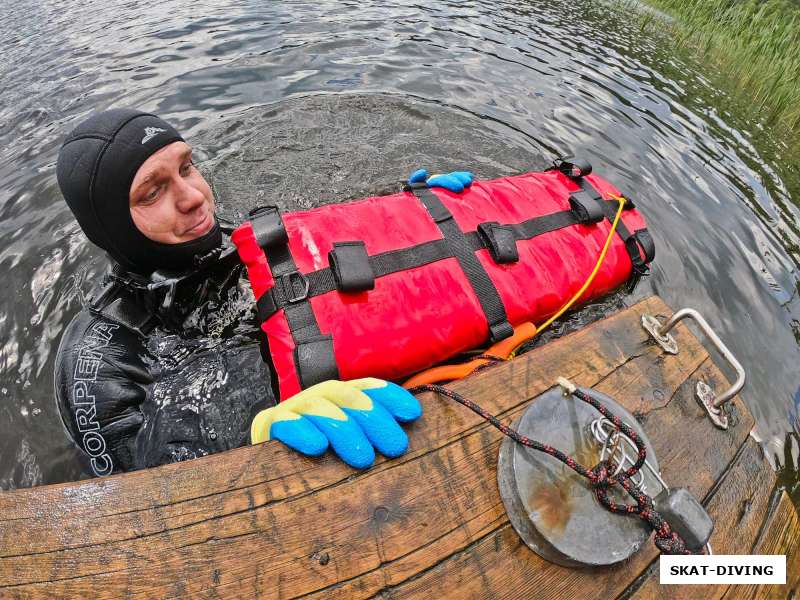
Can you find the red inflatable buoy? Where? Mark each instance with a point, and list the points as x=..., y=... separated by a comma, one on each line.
x=387, y=286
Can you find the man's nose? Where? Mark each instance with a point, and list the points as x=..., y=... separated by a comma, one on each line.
x=188, y=197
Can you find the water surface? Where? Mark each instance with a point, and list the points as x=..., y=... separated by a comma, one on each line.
x=309, y=103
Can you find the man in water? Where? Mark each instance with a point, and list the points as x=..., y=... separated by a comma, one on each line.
x=159, y=366
x=143, y=374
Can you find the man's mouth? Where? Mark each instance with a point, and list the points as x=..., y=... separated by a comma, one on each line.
x=201, y=226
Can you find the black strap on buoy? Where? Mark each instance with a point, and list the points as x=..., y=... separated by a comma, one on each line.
x=314, y=358
x=461, y=248
x=638, y=244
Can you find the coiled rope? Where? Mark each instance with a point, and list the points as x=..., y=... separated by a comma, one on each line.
x=602, y=477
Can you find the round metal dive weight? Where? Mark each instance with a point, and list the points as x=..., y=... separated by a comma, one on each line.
x=550, y=506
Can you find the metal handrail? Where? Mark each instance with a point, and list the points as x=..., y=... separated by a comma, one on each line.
x=705, y=394
x=690, y=313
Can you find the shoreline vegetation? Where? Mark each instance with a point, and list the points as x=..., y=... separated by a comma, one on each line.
x=753, y=43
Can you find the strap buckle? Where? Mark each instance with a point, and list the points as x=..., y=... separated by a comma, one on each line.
x=574, y=168
x=500, y=331
x=500, y=241
x=268, y=226
x=350, y=265
x=288, y=289
x=586, y=208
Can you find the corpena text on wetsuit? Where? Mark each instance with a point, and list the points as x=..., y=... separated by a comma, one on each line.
x=87, y=366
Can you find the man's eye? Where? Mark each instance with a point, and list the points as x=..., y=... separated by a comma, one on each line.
x=186, y=168
x=152, y=194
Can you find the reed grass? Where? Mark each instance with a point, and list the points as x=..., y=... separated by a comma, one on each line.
x=756, y=44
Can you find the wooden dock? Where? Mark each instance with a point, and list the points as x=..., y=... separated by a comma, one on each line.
x=264, y=521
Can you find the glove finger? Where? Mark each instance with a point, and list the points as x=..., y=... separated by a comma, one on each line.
x=400, y=403
x=381, y=429
x=418, y=175
x=465, y=177
x=447, y=182
x=301, y=435
x=347, y=440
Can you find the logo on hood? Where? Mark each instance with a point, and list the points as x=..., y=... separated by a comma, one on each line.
x=150, y=133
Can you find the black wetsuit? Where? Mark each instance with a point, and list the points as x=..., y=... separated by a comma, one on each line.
x=142, y=379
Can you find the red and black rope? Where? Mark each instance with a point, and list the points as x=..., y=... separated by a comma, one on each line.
x=601, y=477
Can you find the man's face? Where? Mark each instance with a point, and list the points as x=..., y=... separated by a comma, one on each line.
x=170, y=200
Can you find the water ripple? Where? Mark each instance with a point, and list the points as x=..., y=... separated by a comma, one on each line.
x=494, y=86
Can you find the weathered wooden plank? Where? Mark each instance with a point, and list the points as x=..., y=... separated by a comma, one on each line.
x=499, y=565
x=180, y=494
x=738, y=505
x=265, y=521
x=780, y=535
x=470, y=495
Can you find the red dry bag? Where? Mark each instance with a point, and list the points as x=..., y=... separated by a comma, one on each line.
x=387, y=286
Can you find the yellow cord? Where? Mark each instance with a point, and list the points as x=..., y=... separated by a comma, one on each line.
x=588, y=282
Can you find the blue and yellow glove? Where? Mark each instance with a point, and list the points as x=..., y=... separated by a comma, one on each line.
x=354, y=417
x=455, y=181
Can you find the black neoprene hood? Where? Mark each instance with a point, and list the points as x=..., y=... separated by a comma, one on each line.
x=96, y=167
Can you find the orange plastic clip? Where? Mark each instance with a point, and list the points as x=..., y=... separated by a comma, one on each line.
x=501, y=350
